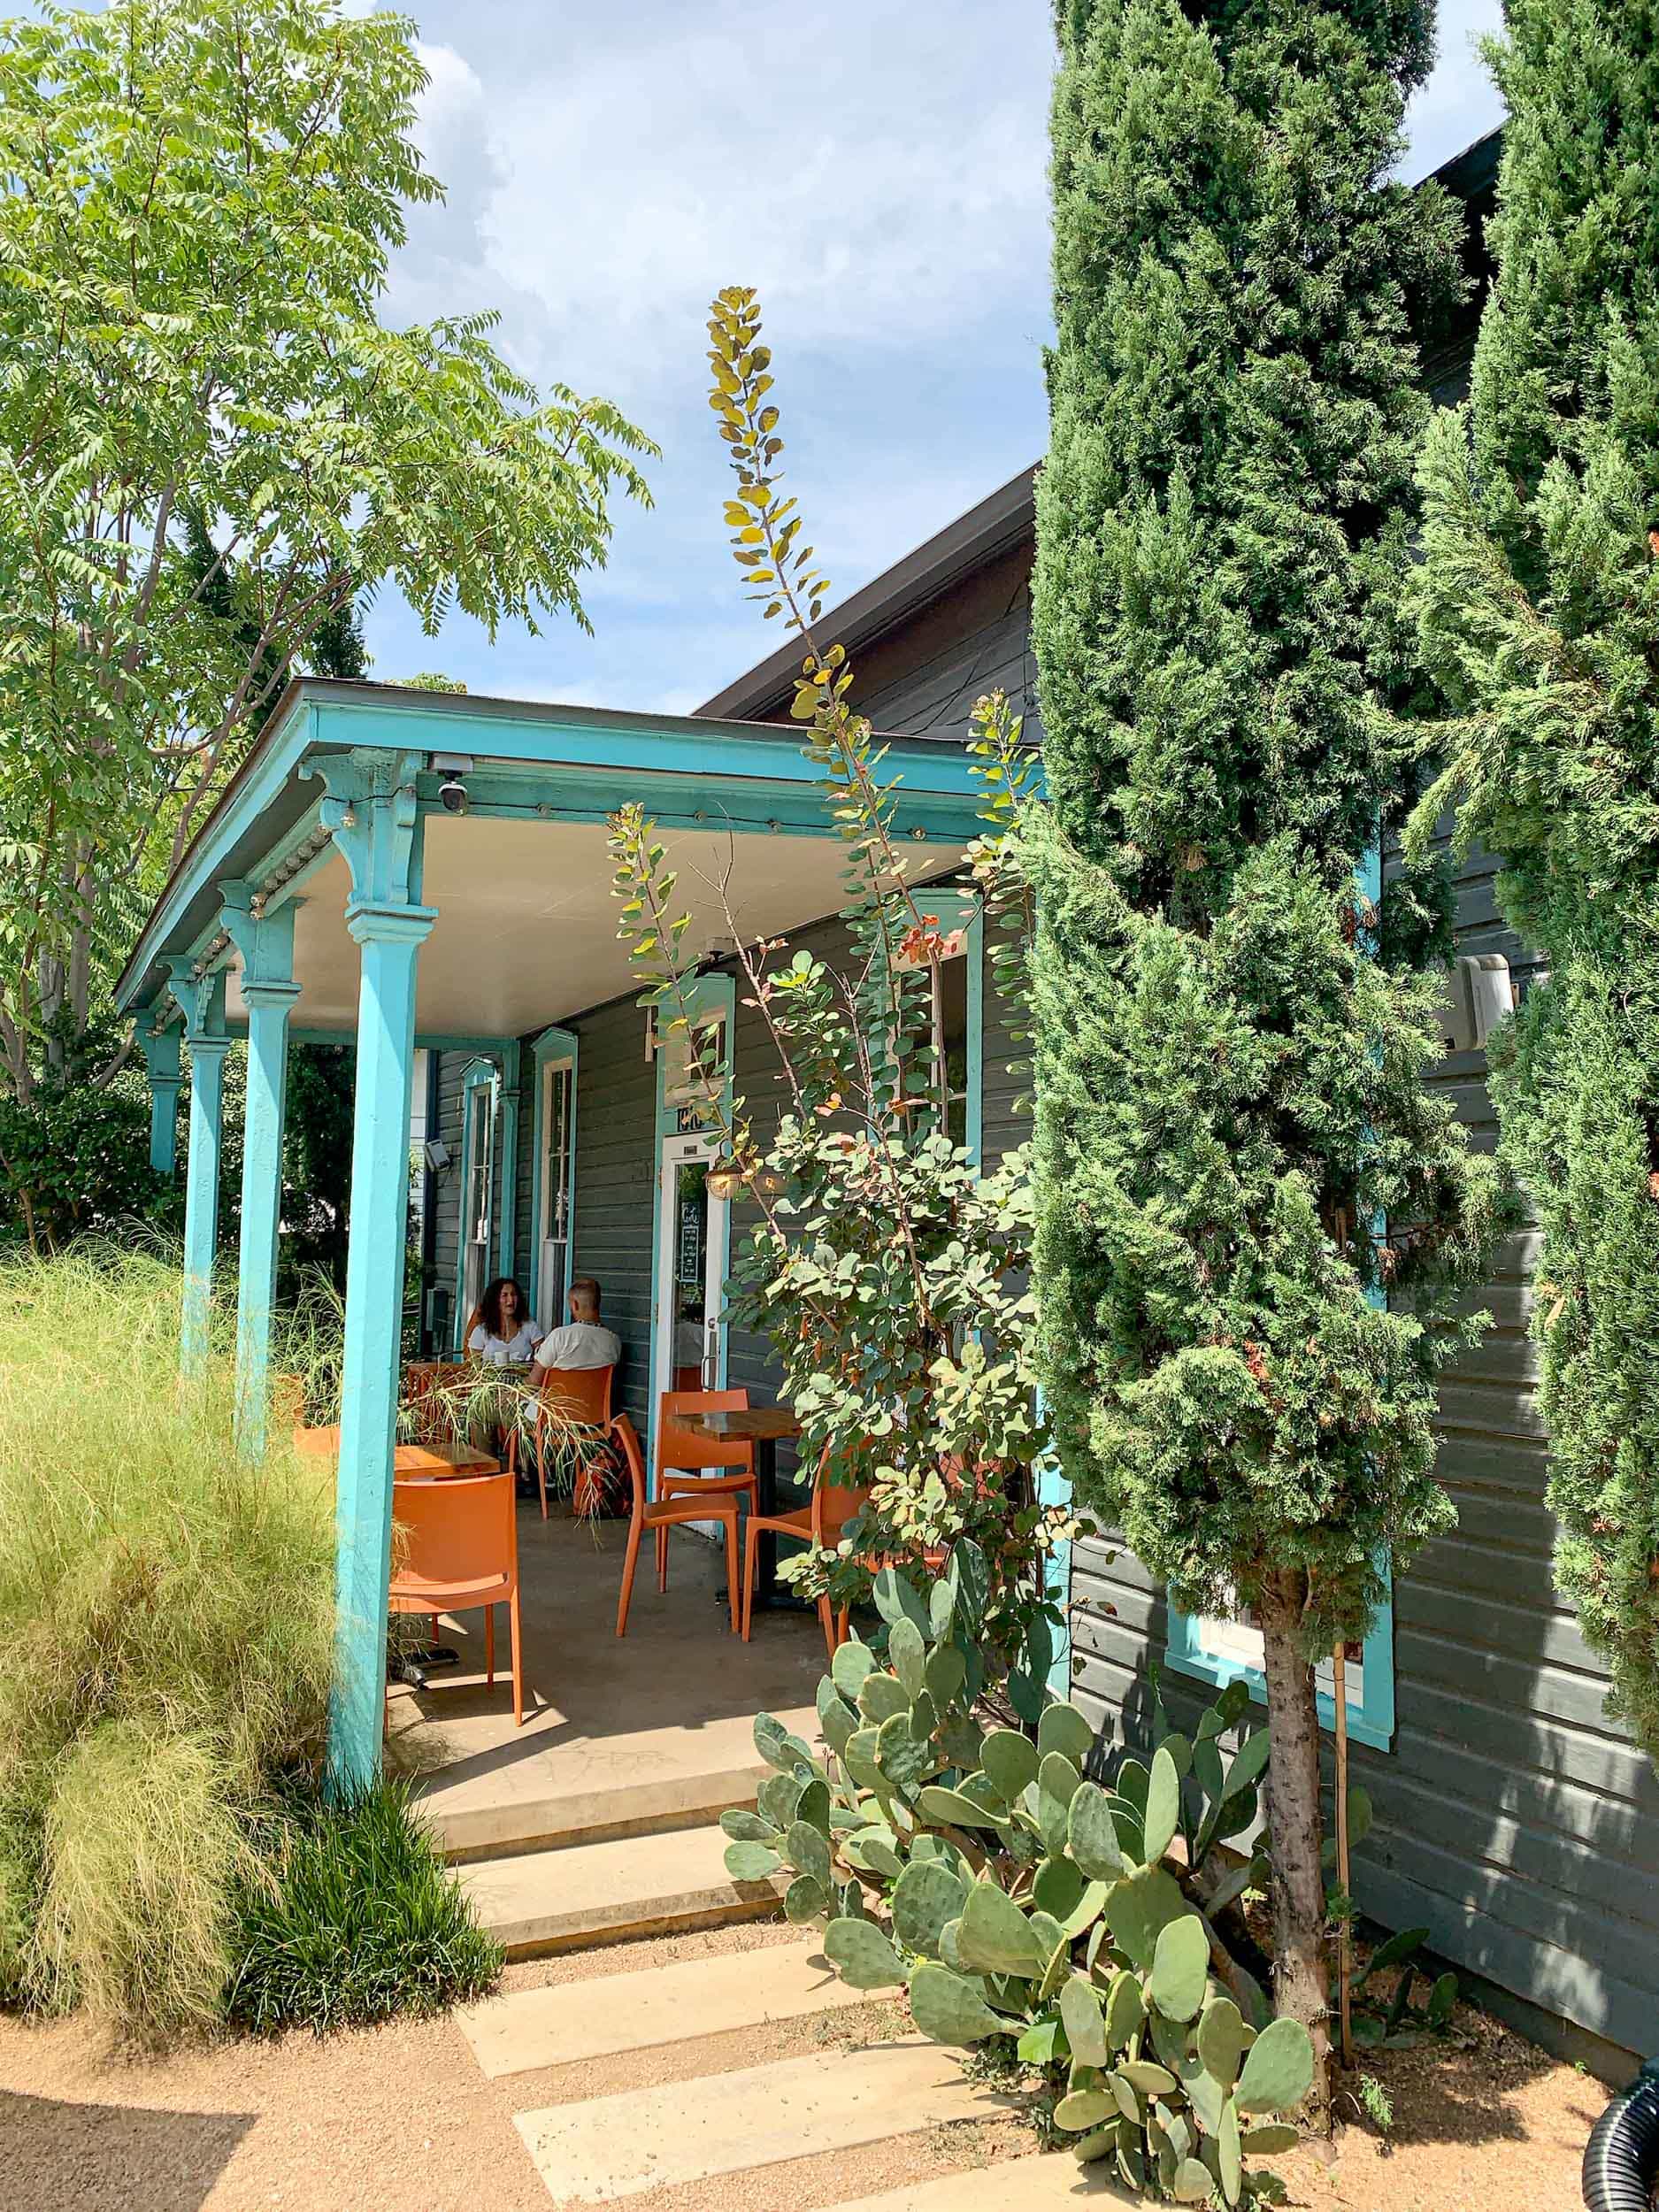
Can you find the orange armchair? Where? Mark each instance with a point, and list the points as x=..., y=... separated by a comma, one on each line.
x=662, y=1514
x=461, y=1550
x=833, y=1505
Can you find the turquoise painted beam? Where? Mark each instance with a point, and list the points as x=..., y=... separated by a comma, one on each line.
x=371, y=812
x=265, y=942
x=202, y=1002
x=160, y=1048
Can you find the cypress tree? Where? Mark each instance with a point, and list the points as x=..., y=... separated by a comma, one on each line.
x=1253, y=1218
x=1539, y=613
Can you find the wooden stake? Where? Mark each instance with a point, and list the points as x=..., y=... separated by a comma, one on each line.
x=1343, y=1959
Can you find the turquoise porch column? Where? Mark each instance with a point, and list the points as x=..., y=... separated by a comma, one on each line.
x=201, y=999
x=160, y=1047
x=265, y=942
x=372, y=814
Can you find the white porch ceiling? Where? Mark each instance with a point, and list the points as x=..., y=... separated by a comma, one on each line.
x=527, y=928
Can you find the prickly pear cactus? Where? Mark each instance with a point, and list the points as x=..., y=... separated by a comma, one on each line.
x=1011, y=1896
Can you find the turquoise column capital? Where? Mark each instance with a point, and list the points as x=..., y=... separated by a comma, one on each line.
x=264, y=941
x=372, y=813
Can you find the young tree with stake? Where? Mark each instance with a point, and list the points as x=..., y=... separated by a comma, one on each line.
x=1235, y=1153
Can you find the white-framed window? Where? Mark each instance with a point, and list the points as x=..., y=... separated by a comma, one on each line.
x=555, y=1192
x=1220, y=1649
x=481, y=1099
x=956, y=1010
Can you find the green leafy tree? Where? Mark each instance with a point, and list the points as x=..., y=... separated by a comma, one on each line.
x=1538, y=605
x=198, y=203
x=887, y=1271
x=1251, y=1214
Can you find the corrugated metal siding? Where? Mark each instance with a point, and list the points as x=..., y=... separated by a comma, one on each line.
x=1513, y=1819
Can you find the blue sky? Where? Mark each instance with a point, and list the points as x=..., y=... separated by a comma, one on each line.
x=877, y=171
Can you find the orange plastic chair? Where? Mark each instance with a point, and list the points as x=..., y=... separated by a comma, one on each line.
x=820, y=1523
x=661, y=1515
x=679, y=1449
x=580, y=1395
x=461, y=1550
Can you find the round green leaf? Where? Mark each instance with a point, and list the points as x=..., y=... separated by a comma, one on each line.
x=862, y=1956
x=1084, y=2026
x=746, y=1827
x=1277, y=2069
x=807, y=1850
x=907, y=1656
x=805, y=1900
x=904, y=1757
x=1010, y=1761
x=1222, y=2039
x=751, y=1861
x=1227, y=2145
x=1064, y=1729
x=948, y=2007
x=1092, y=1833
x=1140, y=1907
x=996, y=1937
x=880, y=1696
x=1126, y=2009
x=950, y=1808
x=1164, y=1804
x=1083, y=2109
x=853, y=1661
x=1180, y=1967
x=924, y=1898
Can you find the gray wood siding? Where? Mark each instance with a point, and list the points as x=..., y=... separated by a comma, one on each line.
x=922, y=680
x=1514, y=1820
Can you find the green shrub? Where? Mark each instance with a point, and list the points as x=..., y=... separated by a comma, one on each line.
x=165, y=1640
x=350, y=1918
x=1020, y=1900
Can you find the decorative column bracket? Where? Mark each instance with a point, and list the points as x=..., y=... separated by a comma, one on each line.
x=373, y=816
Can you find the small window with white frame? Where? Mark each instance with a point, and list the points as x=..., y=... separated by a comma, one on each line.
x=949, y=921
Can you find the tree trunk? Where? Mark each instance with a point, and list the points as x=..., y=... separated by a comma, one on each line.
x=1301, y=1987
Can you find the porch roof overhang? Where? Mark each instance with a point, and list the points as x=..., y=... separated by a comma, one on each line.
x=526, y=933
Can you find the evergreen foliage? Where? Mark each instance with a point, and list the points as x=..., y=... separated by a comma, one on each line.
x=1539, y=609
x=1251, y=1217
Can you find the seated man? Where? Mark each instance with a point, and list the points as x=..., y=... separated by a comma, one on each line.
x=584, y=1342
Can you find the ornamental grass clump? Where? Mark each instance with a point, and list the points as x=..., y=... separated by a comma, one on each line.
x=1016, y=1901
x=165, y=1634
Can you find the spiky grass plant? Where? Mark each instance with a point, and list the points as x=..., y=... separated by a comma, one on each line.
x=351, y=1917
x=165, y=1632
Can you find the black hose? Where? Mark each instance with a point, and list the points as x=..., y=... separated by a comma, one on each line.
x=1620, y=2159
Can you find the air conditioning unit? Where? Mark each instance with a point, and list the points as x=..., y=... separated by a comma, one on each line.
x=1476, y=994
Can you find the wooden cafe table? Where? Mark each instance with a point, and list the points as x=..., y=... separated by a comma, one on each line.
x=434, y=1461
x=764, y=1427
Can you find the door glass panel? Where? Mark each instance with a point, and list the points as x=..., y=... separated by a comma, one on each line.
x=556, y=1195
x=691, y=1310
x=480, y=1186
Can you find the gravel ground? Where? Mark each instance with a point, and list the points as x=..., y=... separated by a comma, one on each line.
x=399, y=2119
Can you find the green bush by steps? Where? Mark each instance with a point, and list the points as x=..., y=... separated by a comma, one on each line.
x=351, y=1917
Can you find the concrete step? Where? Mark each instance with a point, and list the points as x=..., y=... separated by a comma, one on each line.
x=1052, y=2184
x=598, y=1892
x=532, y=2028
x=609, y=2147
x=505, y=1826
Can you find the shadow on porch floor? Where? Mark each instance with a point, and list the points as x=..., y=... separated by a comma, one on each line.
x=649, y=1731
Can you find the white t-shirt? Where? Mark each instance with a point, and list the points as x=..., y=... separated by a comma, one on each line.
x=502, y=1351
x=579, y=1344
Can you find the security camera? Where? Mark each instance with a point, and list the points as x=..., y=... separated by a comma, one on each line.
x=454, y=768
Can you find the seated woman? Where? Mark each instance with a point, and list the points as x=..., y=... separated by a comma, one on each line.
x=505, y=1333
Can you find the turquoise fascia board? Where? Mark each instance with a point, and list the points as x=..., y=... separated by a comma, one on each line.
x=681, y=800
x=629, y=744
x=552, y=1044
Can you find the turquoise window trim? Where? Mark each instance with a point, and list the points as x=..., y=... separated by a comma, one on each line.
x=552, y=1045
x=482, y=1071
x=1371, y=1723
x=702, y=995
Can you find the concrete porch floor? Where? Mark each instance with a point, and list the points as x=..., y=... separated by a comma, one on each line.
x=620, y=1736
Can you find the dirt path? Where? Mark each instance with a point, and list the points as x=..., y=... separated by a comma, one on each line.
x=401, y=2120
